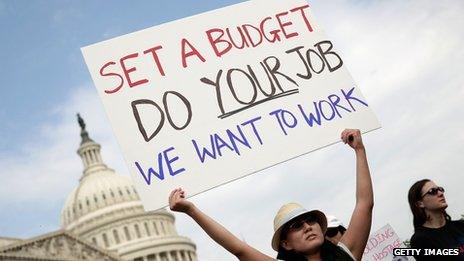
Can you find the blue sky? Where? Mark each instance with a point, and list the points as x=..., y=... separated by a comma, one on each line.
x=406, y=56
x=41, y=58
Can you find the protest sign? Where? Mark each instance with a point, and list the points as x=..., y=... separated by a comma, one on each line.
x=381, y=243
x=201, y=101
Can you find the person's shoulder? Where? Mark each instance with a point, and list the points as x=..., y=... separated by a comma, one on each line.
x=416, y=236
x=419, y=233
x=457, y=223
x=420, y=238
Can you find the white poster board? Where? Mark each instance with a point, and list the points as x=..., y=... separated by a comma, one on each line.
x=201, y=101
x=381, y=243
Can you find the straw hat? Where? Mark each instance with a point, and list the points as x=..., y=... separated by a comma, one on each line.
x=290, y=211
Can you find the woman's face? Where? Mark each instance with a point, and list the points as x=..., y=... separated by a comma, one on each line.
x=432, y=197
x=304, y=235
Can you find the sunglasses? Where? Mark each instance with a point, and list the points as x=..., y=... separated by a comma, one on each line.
x=299, y=222
x=434, y=191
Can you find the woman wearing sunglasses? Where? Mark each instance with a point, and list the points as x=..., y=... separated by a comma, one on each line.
x=433, y=227
x=299, y=233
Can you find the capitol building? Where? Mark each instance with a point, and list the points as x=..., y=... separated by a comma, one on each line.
x=103, y=219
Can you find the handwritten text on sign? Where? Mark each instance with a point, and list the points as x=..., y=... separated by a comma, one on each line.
x=208, y=99
x=381, y=243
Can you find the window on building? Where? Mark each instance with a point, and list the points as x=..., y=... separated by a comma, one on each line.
x=137, y=231
x=174, y=256
x=91, y=156
x=126, y=233
x=156, y=228
x=94, y=240
x=105, y=240
x=116, y=236
x=146, y=228
x=162, y=227
x=163, y=256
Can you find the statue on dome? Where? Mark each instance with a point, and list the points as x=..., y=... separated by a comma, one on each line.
x=81, y=121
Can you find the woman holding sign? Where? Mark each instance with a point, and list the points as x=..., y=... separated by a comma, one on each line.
x=299, y=233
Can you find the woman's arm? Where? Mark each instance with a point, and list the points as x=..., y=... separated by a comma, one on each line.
x=357, y=233
x=218, y=233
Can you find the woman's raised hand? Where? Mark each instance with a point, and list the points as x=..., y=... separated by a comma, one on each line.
x=353, y=138
x=177, y=201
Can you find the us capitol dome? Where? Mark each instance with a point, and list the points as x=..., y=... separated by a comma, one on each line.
x=103, y=219
x=105, y=210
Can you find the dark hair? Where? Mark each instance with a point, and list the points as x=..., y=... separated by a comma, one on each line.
x=329, y=252
x=415, y=195
x=342, y=229
x=333, y=231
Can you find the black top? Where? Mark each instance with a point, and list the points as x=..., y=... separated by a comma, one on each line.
x=451, y=235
